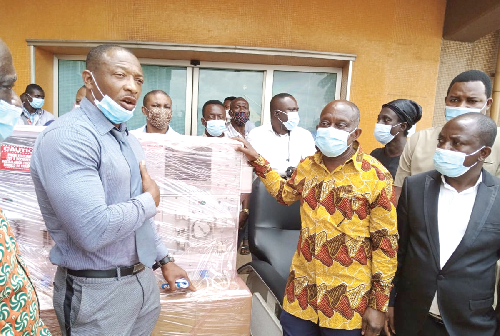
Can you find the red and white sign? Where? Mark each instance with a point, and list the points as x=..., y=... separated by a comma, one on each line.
x=15, y=157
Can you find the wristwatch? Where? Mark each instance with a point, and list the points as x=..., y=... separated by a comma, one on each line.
x=162, y=262
x=246, y=211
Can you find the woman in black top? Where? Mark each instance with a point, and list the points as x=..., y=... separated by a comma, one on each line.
x=393, y=122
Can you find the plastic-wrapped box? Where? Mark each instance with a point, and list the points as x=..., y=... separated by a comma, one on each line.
x=200, y=186
x=207, y=312
x=200, y=181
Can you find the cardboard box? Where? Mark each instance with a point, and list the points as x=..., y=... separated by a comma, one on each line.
x=207, y=312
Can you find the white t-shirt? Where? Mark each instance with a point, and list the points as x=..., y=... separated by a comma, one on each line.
x=282, y=151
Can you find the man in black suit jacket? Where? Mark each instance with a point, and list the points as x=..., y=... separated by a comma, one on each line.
x=449, y=227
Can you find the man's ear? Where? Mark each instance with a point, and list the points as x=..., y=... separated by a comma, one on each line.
x=484, y=153
x=144, y=111
x=489, y=101
x=203, y=122
x=357, y=133
x=87, y=79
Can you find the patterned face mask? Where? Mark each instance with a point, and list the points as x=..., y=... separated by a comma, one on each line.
x=159, y=117
x=240, y=118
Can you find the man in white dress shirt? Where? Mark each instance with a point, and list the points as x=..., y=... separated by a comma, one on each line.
x=283, y=143
x=157, y=107
x=449, y=227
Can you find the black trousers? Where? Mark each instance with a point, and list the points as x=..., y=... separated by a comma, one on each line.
x=433, y=328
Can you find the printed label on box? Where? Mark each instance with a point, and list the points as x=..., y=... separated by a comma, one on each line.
x=15, y=157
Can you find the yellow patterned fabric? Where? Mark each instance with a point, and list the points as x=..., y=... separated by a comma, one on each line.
x=346, y=253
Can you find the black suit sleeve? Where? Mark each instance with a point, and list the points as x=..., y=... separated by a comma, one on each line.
x=404, y=235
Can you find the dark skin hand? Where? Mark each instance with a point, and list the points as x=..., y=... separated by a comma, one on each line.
x=171, y=272
x=389, y=322
x=148, y=184
x=373, y=322
x=245, y=201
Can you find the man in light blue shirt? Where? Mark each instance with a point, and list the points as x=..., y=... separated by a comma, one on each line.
x=85, y=168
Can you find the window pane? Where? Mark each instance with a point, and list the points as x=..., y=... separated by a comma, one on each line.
x=312, y=90
x=70, y=80
x=172, y=80
x=219, y=84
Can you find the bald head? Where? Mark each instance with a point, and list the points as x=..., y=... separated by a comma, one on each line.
x=348, y=110
x=477, y=125
x=7, y=74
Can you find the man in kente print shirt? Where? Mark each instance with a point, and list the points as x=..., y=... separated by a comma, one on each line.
x=341, y=274
x=19, y=308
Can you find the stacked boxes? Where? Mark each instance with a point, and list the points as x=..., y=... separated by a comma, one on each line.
x=200, y=181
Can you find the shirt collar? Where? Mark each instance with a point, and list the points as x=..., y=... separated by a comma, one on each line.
x=101, y=123
x=466, y=191
x=269, y=128
x=356, y=158
x=27, y=113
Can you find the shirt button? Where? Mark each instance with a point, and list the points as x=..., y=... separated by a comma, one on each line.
x=440, y=277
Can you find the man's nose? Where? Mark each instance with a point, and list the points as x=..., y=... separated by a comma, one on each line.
x=446, y=146
x=132, y=85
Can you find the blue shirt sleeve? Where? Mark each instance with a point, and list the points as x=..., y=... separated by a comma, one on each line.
x=70, y=176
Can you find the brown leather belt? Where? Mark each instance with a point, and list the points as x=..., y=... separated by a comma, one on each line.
x=112, y=273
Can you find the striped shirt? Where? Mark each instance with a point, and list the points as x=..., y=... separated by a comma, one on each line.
x=82, y=182
x=39, y=118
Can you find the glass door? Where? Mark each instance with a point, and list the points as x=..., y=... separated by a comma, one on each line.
x=221, y=83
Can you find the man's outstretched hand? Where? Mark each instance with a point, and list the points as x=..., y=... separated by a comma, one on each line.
x=247, y=149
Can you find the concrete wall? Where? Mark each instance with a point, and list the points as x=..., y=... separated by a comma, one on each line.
x=397, y=42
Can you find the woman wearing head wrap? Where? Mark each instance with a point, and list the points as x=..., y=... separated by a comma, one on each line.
x=393, y=122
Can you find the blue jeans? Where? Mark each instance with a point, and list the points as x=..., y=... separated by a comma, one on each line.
x=294, y=326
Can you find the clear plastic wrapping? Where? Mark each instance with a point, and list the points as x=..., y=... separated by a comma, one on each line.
x=206, y=312
x=200, y=180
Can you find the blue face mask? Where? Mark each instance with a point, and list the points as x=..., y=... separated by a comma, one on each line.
x=111, y=109
x=331, y=141
x=451, y=163
x=293, y=120
x=9, y=114
x=216, y=127
x=451, y=112
x=36, y=103
x=383, y=134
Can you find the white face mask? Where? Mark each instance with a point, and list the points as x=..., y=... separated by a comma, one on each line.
x=331, y=141
x=451, y=112
x=383, y=134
